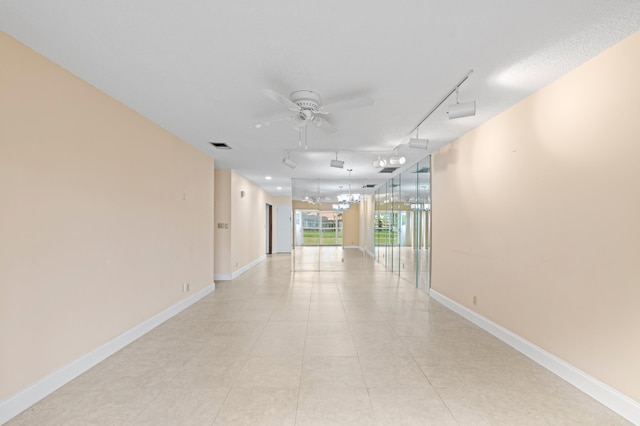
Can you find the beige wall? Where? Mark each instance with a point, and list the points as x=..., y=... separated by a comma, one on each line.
x=222, y=261
x=536, y=214
x=351, y=226
x=244, y=241
x=248, y=221
x=103, y=217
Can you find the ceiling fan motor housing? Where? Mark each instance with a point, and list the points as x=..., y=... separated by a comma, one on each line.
x=306, y=100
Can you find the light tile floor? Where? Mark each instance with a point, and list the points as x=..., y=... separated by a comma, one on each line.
x=354, y=346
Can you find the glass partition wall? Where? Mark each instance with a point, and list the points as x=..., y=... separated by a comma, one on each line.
x=323, y=229
x=402, y=219
x=325, y=225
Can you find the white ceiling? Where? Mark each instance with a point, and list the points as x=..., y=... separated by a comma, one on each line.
x=196, y=68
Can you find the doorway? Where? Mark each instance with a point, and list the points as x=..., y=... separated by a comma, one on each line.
x=319, y=228
x=283, y=228
x=269, y=229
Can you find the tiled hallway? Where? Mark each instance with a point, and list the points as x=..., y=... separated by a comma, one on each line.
x=348, y=347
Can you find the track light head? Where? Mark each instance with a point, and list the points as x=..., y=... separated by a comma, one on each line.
x=379, y=163
x=417, y=143
x=397, y=160
x=338, y=164
x=466, y=109
x=289, y=162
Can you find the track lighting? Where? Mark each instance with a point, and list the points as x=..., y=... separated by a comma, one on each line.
x=379, y=163
x=459, y=110
x=418, y=143
x=395, y=159
x=289, y=162
x=466, y=109
x=455, y=111
x=338, y=164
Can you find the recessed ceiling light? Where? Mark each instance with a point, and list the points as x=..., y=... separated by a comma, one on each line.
x=279, y=188
x=267, y=177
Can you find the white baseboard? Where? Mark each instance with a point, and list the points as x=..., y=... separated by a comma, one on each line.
x=603, y=393
x=366, y=251
x=24, y=399
x=237, y=273
x=221, y=277
x=351, y=247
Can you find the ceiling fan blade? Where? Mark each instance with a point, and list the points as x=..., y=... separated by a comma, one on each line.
x=324, y=125
x=275, y=96
x=348, y=104
x=273, y=120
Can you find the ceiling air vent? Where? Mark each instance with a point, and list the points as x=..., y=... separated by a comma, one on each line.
x=220, y=145
x=388, y=170
x=423, y=170
x=370, y=185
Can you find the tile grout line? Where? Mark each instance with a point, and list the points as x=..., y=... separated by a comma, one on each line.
x=304, y=348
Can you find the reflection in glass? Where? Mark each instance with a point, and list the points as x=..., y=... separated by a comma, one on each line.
x=389, y=226
x=402, y=220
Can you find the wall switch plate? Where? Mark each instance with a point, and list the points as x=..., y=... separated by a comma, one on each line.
x=185, y=287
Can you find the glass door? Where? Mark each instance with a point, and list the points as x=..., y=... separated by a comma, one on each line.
x=321, y=228
x=331, y=228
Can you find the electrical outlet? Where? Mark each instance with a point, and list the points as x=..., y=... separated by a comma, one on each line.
x=185, y=287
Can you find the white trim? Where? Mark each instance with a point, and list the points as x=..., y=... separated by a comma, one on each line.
x=351, y=247
x=17, y=403
x=605, y=394
x=237, y=273
x=222, y=277
x=364, y=250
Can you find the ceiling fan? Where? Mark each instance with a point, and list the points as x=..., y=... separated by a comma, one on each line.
x=306, y=107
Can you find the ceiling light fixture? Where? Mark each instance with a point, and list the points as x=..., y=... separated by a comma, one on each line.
x=340, y=206
x=467, y=109
x=422, y=143
x=379, y=163
x=338, y=164
x=289, y=162
x=418, y=143
x=395, y=159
